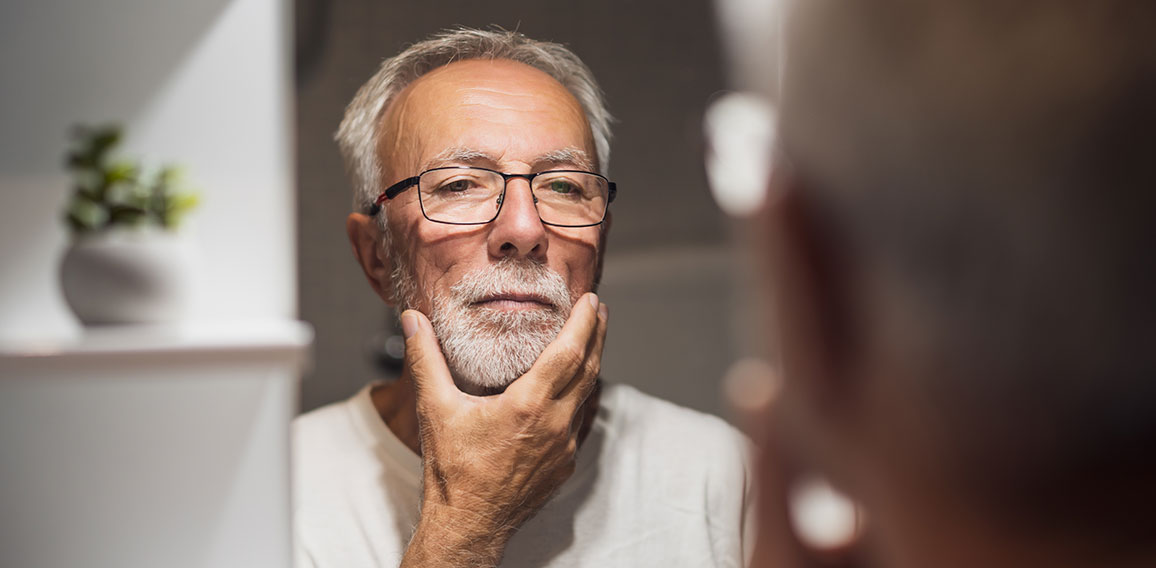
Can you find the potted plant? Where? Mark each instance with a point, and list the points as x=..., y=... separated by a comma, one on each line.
x=126, y=263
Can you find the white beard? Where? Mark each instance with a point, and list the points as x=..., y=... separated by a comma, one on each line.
x=487, y=349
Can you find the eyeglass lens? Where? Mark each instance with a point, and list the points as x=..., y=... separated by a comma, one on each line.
x=470, y=195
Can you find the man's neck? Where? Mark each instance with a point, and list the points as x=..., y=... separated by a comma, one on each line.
x=396, y=403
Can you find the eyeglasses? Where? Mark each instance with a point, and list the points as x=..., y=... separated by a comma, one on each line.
x=460, y=195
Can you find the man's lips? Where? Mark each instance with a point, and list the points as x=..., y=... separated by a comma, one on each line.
x=513, y=301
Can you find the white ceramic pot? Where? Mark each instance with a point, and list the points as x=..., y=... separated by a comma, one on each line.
x=126, y=276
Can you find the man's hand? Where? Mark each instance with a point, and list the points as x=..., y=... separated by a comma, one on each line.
x=490, y=463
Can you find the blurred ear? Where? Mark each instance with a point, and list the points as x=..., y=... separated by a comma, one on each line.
x=365, y=236
x=806, y=264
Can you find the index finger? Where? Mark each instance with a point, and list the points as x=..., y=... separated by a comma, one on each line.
x=565, y=356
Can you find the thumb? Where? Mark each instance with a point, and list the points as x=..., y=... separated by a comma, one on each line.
x=424, y=360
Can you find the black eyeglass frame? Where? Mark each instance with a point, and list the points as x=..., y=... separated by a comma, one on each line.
x=397, y=188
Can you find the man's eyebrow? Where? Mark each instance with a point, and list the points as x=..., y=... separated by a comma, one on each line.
x=458, y=155
x=566, y=157
x=570, y=157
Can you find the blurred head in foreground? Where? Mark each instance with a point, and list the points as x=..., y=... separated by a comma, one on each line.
x=960, y=241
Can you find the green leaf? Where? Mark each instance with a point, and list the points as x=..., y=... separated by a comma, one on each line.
x=103, y=140
x=86, y=215
x=74, y=225
x=125, y=193
x=79, y=161
x=177, y=207
x=89, y=183
x=120, y=170
x=111, y=191
x=127, y=215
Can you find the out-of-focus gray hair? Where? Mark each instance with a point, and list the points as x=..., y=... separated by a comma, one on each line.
x=359, y=132
x=991, y=162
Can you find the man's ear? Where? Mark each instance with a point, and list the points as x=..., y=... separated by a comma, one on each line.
x=806, y=263
x=365, y=236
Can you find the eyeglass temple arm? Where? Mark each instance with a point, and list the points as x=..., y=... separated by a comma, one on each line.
x=391, y=192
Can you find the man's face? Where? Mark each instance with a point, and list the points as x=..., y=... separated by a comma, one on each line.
x=496, y=293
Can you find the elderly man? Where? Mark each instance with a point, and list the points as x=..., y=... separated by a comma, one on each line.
x=481, y=212
x=961, y=245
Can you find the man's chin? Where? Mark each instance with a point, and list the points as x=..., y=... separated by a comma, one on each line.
x=473, y=388
x=487, y=350
x=484, y=380
x=487, y=363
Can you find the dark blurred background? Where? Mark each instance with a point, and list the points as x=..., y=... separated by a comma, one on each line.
x=669, y=271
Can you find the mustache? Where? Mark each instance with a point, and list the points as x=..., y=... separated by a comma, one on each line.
x=513, y=278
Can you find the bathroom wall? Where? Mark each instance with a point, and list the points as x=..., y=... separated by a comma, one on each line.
x=204, y=84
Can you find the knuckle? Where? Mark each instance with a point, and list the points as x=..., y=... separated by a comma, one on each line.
x=527, y=410
x=590, y=386
x=561, y=428
x=416, y=360
x=591, y=368
x=566, y=466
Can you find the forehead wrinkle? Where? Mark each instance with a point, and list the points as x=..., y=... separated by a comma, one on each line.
x=491, y=105
x=478, y=99
x=482, y=90
x=527, y=104
x=538, y=98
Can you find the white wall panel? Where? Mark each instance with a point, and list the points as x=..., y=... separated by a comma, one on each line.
x=204, y=84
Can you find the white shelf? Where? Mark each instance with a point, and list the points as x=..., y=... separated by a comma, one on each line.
x=142, y=446
x=221, y=342
x=261, y=335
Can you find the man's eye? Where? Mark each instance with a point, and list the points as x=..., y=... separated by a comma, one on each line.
x=563, y=186
x=457, y=186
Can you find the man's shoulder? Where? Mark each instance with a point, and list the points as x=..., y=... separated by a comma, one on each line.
x=324, y=426
x=645, y=419
x=680, y=472
x=326, y=440
x=345, y=487
x=636, y=407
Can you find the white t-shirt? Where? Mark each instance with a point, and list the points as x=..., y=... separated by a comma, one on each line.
x=655, y=485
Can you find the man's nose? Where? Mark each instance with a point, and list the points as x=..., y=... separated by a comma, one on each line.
x=518, y=231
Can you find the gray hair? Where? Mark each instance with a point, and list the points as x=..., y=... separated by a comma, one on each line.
x=995, y=159
x=359, y=132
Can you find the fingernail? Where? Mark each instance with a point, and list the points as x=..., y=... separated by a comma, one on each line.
x=603, y=311
x=408, y=324
x=593, y=300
